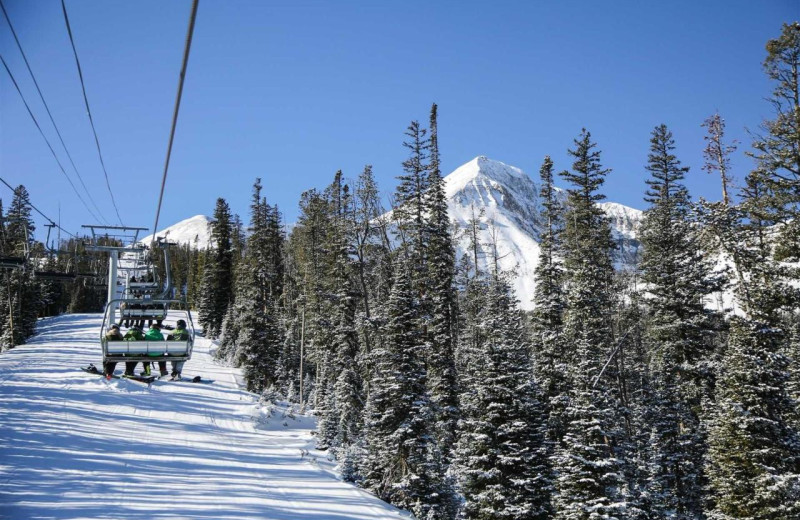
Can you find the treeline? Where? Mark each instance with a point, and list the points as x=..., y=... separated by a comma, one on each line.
x=622, y=395
x=40, y=280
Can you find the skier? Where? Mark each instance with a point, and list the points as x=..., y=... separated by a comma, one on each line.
x=113, y=334
x=179, y=334
x=154, y=334
x=135, y=334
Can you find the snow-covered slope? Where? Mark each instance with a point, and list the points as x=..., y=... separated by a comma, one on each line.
x=186, y=232
x=73, y=445
x=506, y=201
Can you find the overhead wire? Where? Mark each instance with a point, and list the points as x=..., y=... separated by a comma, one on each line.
x=186, y=50
x=89, y=112
x=48, y=219
x=47, y=108
x=14, y=81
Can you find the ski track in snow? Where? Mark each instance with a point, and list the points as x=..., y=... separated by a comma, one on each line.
x=75, y=446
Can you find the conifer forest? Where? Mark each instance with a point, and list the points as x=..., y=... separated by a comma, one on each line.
x=622, y=395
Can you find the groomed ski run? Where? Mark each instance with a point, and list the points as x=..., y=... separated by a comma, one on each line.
x=76, y=446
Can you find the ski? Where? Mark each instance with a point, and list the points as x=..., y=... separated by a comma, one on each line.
x=140, y=379
x=195, y=379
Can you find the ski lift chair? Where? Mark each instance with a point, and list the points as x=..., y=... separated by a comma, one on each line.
x=54, y=276
x=122, y=351
x=138, y=309
x=12, y=262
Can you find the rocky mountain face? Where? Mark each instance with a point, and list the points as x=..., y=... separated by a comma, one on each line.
x=505, y=200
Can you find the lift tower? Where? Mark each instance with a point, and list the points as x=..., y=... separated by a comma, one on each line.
x=127, y=237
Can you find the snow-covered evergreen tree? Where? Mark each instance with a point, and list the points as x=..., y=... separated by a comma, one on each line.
x=255, y=318
x=441, y=299
x=678, y=336
x=501, y=457
x=589, y=464
x=754, y=455
x=217, y=285
x=347, y=403
x=793, y=385
x=777, y=150
x=409, y=203
x=549, y=301
x=401, y=463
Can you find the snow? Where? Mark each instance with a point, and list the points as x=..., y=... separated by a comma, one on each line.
x=185, y=232
x=511, y=219
x=73, y=445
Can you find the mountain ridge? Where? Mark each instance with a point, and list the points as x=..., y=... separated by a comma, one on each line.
x=507, y=204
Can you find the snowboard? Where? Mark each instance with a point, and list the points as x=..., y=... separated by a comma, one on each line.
x=91, y=369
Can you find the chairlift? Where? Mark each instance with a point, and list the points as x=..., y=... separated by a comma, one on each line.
x=54, y=276
x=133, y=309
x=12, y=262
x=15, y=262
x=130, y=350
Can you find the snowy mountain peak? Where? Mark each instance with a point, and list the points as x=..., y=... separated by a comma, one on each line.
x=481, y=169
x=506, y=201
x=186, y=232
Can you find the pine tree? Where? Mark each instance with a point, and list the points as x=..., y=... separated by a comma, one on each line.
x=441, y=298
x=793, y=385
x=549, y=302
x=18, y=234
x=678, y=337
x=754, y=456
x=409, y=203
x=777, y=151
x=345, y=377
x=752, y=463
x=501, y=454
x=216, y=290
x=589, y=463
x=401, y=463
x=753, y=460
x=257, y=333
x=373, y=264
x=717, y=153
x=21, y=291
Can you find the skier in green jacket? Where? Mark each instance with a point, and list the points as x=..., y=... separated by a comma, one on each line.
x=179, y=334
x=135, y=334
x=154, y=334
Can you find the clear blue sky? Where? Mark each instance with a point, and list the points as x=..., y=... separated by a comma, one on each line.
x=292, y=91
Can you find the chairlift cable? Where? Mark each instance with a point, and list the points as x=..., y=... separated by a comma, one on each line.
x=38, y=211
x=47, y=108
x=89, y=112
x=14, y=81
x=187, y=47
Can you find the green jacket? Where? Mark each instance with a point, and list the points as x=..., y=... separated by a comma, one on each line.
x=154, y=335
x=179, y=335
x=134, y=335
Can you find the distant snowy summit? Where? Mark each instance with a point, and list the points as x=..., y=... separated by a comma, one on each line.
x=192, y=231
x=506, y=202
